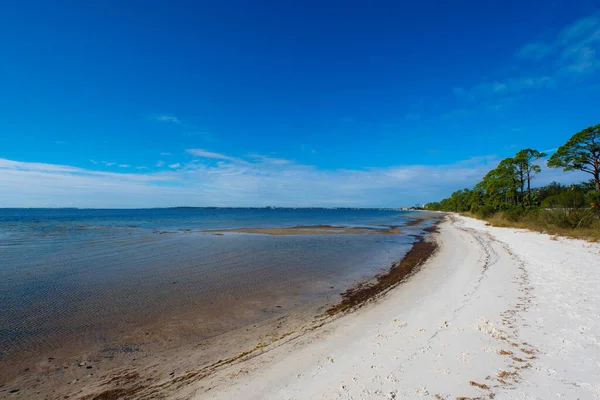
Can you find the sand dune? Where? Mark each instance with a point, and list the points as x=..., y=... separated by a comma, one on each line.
x=496, y=313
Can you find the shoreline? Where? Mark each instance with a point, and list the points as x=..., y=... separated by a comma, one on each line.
x=495, y=313
x=89, y=379
x=359, y=295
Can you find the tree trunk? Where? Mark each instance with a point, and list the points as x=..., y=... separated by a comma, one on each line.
x=528, y=188
x=597, y=172
x=522, y=182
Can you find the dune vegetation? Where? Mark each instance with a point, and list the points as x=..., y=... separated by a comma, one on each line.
x=505, y=196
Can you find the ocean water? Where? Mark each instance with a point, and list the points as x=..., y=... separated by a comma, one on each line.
x=93, y=276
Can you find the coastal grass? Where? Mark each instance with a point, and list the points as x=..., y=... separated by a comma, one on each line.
x=575, y=224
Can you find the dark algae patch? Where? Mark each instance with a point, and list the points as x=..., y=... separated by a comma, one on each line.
x=416, y=256
x=314, y=230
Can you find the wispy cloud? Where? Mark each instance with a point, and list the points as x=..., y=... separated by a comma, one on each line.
x=60, y=142
x=109, y=164
x=509, y=86
x=174, y=166
x=574, y=50
x=168, y=118
x=572, y=54
x=270, y=160
x=209, y=154
x=124, y=165
x=206, y=136
x=258, y=182
x=534, y=51
x=160, y=163
x=93, y=162
x=165, y=154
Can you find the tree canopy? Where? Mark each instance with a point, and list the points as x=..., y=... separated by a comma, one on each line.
x=507, y=188
x=581, y=152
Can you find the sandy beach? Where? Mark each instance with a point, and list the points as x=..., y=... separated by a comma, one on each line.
x=495, y=313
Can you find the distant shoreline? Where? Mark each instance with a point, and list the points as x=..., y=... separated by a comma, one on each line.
x=218, y=208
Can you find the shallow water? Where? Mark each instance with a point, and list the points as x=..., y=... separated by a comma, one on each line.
x=94, y=276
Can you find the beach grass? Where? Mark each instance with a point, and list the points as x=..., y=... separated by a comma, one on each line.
x=550, y=222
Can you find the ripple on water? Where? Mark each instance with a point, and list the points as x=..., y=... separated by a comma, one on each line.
x=95, y=284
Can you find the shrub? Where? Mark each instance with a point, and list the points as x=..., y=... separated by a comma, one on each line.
x=513, y=214
x=566, y=199
x=567, y=218
x=593, y=200
x=486, y=211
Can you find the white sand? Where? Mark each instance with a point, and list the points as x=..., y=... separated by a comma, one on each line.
x=513, y=310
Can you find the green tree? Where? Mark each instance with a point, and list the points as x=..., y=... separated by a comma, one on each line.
x=502, y=184
x=526, y=169
x=581, y=152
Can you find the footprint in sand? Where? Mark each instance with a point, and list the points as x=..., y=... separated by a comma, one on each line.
x=400, y=324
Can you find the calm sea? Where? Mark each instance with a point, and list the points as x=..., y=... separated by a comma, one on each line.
x=91, y=275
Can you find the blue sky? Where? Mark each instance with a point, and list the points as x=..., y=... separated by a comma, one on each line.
x=252, y=103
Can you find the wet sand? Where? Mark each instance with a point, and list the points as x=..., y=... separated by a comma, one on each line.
x=158, y=358
x=314, y=230
x=359, y=295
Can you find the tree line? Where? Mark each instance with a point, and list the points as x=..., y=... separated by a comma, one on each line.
x=508, y=187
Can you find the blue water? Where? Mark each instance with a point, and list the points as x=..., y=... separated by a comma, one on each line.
x=91, y=275
x=196, y=218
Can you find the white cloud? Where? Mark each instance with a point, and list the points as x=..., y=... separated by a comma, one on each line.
x=209, y=154
x=574, y=50
x=93, y=162
x=141, y=167
x=227, y=183
x=270, y=160
x=110, y=164
x=583, y=29
x=165, y=154
x=510, y=85
x=570, y=55
x=534, y=51
x=259, y=182
x=160, y=163
x=124, y=165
